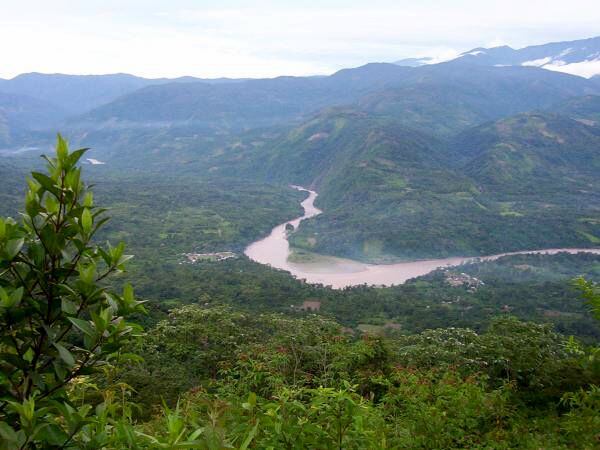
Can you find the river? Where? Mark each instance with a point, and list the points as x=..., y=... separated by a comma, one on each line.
x=274, y=250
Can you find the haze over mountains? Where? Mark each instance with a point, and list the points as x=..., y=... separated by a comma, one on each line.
x=489, y=152
x=581, y=57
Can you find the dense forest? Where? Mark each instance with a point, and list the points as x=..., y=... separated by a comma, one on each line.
x=227, y=361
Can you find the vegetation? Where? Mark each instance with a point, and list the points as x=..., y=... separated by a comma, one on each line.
x=75, y=373
x=58, y=321
x=389, y=192
x=530, y=287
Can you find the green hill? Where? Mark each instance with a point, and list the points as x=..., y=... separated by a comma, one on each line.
x=21, y=113
x=390, y=192
x=531, y=152
x=447, y=98
x=586, y=109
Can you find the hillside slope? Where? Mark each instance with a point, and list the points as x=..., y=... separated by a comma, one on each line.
x=77, y=94
x=532, y=152
x=20, y=113
x=585, y=109
x=445, y=99
x=388, y=192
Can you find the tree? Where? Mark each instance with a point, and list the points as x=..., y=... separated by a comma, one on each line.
x=58, y=320
x=590, y=292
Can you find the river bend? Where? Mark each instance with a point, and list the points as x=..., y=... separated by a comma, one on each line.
x=274, y=250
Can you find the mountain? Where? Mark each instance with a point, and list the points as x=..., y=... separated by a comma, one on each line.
x=389, y=191
x=585, y=109
x=76, y=94
x=196, y=117
x=19, y=113
x=184, y=121
x=441, y=99
x=458, y=158
x=580, y=57
x=332, y=144
x=245, y=104
x=446, y=98
x=532, y=152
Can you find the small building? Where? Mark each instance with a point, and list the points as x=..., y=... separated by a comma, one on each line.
x=462, y=279
x=311, y=305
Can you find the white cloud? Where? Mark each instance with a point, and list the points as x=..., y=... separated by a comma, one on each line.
x=537, y=62
x=585, y=69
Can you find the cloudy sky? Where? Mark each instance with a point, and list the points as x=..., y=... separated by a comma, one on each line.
x=268, y=38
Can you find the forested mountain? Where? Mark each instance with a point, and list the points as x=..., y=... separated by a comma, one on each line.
x=532, y=152
x=240, y=105
x=21, y=113
x=384, y=186
x=186, y=123
x=447, y=98
x=443, y=97
x=331, y=145
x=585, y=109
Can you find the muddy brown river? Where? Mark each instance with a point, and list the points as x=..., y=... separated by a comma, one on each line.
x=274, y=250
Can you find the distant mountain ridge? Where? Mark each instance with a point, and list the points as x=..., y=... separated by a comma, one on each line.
x=580, y=57
x=446, y=98
x=79, y=93
x=381, y=88
x=119, y=101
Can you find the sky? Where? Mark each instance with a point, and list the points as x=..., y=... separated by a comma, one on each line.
x=224, y=38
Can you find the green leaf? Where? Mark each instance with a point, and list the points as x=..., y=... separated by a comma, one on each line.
x=68, y=307
x=196, y=434
x=65, y=354
x=53, y=435
x=83, y=325
x=15, y=298
x=128, y=296
x=62, y=149
x=13, y=247
x=86, y=221
x=87, y=274
x=2, y=228
x=75, y=156
x=51, y=204
x=123, y=259
x=88, y=200
x=46, y=182
x=14, y=360
x=72, y=179
x=8, y=435
x=250, y=437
